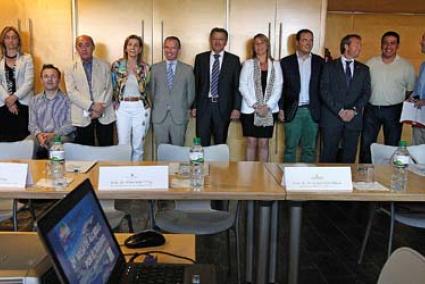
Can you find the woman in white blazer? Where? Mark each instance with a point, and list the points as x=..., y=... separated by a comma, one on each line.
x=260, y=84
x=16, y=86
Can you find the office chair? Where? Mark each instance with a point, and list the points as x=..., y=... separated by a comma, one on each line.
x=381, y=154
x=79, y=152
x=196, y=216
x=405, y=265
x=9, y=151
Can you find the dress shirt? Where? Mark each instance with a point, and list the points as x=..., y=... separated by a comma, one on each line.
x=88, y=69
x=212, y=59
x=343, y=60
x=304, y=67
x=173, y=66
x=420, y=83
x=50, y=114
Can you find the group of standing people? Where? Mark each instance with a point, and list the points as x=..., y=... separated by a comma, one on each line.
x=342, y=98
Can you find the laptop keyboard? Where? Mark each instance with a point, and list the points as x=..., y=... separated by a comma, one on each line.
x=156, y=274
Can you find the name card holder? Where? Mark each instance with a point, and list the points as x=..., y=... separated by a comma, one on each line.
x=318, y=179
x=14, y=175
x=133, y=178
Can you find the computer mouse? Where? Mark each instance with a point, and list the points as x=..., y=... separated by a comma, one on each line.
x=148, y=238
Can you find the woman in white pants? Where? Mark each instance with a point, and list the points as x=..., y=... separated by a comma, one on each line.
x=129, y=79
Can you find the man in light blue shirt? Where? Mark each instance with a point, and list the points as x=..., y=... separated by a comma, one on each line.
x=419, y=95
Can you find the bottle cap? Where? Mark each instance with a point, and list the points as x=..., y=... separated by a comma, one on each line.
x=197, y=140
x=402, y=143
x=57, y=139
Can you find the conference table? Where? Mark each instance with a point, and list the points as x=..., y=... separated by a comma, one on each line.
x=249, y=181
x=415, y=192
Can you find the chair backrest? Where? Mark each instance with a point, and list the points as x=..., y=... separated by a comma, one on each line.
x=417, y=152
x=381, y=154
x=79, y=152
x=215, y=153
x=168, y=152
x=17, y=150
x=405, y=265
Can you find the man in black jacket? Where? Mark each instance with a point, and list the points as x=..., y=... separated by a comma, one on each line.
x=300, y=102
x=344, y=91
x=217, y=97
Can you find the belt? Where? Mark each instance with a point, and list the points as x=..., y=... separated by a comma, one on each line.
x=213, y=100
x=390, y=106
x=131, y=99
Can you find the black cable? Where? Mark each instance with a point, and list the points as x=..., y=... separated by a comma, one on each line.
x=137, y=254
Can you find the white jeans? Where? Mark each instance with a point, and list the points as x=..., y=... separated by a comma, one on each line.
x=132, y=125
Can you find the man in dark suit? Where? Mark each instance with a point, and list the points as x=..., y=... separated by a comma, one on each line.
x=345, y=90
x=300, y=102
x=217, y=98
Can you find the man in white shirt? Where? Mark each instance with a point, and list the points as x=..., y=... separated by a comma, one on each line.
x=392, y=81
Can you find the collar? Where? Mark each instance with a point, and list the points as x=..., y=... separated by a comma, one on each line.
x=55, y=96
x=395, y=59
x=221, y=54
x=303, y=57
x=344, y=59
x=171, y=61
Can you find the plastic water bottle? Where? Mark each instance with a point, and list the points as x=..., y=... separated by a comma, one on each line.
x=400, y=162
x=196, y=157
x=57, y=162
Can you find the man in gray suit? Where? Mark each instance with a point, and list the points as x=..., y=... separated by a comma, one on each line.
x=172, y=88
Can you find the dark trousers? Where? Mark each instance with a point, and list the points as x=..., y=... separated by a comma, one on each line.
x=337, y=137
x=104, y=134
x=211, y=123
x=13, y=127
x=375, y=117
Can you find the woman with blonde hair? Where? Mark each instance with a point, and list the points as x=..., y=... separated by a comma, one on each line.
x=16, y=86
x=260, y=85
x=130, y=76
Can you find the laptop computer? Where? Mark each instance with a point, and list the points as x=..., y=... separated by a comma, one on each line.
x=83, y=249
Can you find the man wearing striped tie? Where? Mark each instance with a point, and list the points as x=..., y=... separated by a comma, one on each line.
x=217, y=98
x=172, y=89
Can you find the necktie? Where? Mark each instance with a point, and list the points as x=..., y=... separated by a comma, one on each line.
x=170, y=75
x=88, y=66
x=348, y=75
x=214, y=76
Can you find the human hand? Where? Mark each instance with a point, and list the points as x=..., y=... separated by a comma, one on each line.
x=281, y=115
x=42, y=138
x=10, y=100
x=13, y=109
x=98, y=107
x=235, y=114
x=420, y=103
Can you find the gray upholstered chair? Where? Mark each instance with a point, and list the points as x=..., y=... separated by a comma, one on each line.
x=197, y=216
x=10, y=151
x=406, y=214
x=77, y=152
x=405, y=265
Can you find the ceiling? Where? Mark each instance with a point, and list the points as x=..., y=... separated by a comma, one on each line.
x=378, y=6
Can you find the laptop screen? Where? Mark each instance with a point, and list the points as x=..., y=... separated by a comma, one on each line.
x=79, y=238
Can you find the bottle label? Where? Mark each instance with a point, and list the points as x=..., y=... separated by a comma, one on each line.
x=57, y=155
x=197, y=157
x=401, y=161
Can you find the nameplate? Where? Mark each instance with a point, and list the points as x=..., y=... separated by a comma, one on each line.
x=133, y=178
x=318, y=179
x=14, y=175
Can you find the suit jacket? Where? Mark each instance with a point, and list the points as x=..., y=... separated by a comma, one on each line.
x=292, y=86
x=336, y=95
x=247, y=86
x=179, y=99
x=79, y=94
x=228, y=84
x=24, y=78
